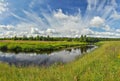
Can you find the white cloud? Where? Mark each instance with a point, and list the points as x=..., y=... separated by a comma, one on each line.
x=114, y=3
x=7, y=27
x=35, y=31
x=115, y=15
x=3, y=6
x=64, y=24
x=118, y=30
x=33, y=3
x=107, y=28
x=87, y=32
x=60, y=14
x=50, y=31
x=8, y=34
x=60, y=24
x=92, y=4
x=57, y=23
x=97, y=22
x=105, y=34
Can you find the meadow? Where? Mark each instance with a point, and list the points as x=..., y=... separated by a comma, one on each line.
x=102, y=64
x=36, y=46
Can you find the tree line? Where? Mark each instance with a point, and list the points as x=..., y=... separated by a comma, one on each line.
x=83, y=38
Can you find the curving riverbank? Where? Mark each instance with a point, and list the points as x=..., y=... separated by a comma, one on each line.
x=46, y=60
x=36, y=46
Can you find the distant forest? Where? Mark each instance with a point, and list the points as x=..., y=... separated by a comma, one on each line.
x=83, y=38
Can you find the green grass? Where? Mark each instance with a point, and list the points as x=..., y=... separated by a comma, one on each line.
x=102, y=64
x=36, y=46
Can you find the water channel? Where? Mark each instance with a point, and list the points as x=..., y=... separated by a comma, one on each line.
x=62, y=56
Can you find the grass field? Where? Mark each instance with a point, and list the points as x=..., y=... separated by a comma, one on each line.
x=102, y=64
x=36, y=46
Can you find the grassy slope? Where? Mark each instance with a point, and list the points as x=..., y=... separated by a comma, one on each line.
x=103, y=64
x=35, y=46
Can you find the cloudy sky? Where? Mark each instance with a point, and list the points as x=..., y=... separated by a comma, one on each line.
x=71, y=18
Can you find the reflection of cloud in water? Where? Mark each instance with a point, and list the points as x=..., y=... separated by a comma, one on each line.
x=23, y=59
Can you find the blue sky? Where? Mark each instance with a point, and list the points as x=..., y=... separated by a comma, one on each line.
x=71, y=18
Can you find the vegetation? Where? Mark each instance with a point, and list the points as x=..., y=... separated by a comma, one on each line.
x=36, y=46
x=83, y=38
x=48, y=38
x=40, y=44
x=102, y=64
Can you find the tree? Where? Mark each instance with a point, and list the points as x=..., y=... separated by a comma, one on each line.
x=84, y=38
x=25, y=37
x=15, y=38
x=38, y=37
x=31, y=38
x=81, y=38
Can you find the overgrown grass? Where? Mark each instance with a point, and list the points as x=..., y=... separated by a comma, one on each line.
x=102, y=64
x=36, y=46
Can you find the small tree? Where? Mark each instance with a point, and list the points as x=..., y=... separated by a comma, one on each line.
x=81, y=38
x=31, y=38
x=24, y=37
x=37, y=37
x=15, y=38
x=84, y=38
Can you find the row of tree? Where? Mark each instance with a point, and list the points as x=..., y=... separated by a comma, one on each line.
x=83, y=38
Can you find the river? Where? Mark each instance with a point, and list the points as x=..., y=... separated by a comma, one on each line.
x=26, y=59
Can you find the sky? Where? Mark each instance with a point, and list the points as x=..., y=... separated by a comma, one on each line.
x=61, y=18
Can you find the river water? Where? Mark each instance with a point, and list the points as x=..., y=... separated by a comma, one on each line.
x=26, y=59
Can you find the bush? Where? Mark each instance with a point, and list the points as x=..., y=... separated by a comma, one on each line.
x=3, y=48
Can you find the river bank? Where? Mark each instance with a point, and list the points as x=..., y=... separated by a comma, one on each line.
x=36, y=46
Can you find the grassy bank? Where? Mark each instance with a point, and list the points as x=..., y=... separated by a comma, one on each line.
x=35, y=46
x=103, y=64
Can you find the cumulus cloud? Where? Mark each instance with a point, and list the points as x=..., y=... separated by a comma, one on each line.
x=107, y=28
x=105, y=34
x=34, y=31
x=87, y=32
x=8, y=34
x=7, y=27
x=97, y=22
x=53, y=31
x=118, y=30
x=60, y=14
x=66, y=22
x=100, y=23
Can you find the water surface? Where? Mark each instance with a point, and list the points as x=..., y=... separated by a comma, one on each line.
x=26, y=59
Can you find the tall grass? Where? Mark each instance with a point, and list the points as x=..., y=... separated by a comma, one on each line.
x=102, y=64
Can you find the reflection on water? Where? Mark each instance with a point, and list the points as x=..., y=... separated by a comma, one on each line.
x=26, y=59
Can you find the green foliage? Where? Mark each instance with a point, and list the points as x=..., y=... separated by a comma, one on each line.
x=36, y=46
x=83, y=38
x=3, y=47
